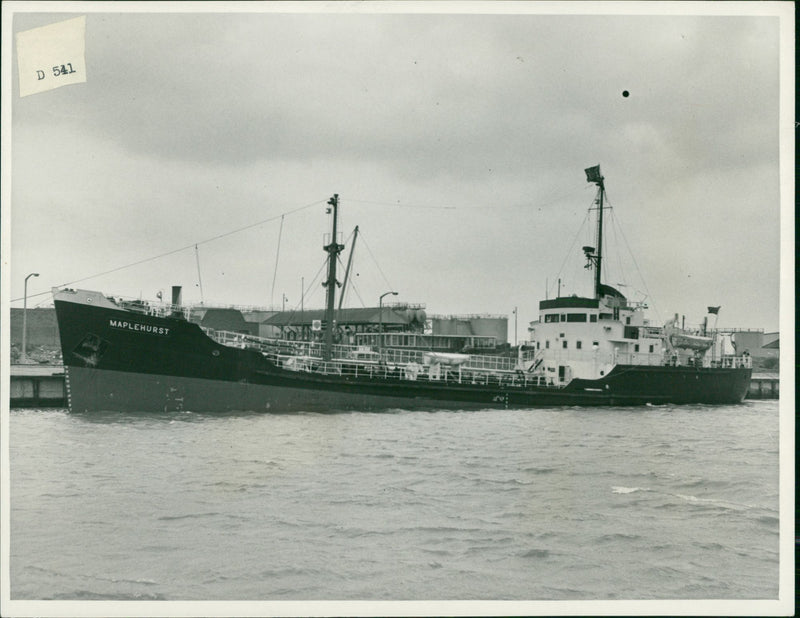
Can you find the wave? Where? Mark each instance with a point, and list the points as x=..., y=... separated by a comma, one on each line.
x=536, y=470
x=89, y=595
x=701, y=503
x=701, y=482
x=618, y=536
x=768, y=519
x=67, y=495
x=436, y=552
x=627, y=490
x=291, y=571
x=714, y=502
x=440, y=529
x=536, y=553
x=187, y=516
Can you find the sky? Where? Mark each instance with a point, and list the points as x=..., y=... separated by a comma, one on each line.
x=456, y=142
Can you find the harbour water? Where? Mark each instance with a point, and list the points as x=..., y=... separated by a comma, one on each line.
x=672, y=502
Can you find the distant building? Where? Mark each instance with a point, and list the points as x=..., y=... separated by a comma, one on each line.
x=42, y=327
x=771, y=340
x=773, y=345
x=756, y=342
x=309, y=324
x=402, y=326
x=230, y=320
x=482, y=325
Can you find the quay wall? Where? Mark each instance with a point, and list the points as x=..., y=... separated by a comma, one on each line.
x=37, y=386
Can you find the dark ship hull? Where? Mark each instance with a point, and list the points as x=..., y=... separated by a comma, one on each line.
x=119, y=360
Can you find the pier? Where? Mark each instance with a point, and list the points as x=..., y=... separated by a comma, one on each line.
x=37, y=386
x=43, y=386
x=764, y=386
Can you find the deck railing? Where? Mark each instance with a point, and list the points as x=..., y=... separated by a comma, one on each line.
x=341, y=352
x=400, y=364
x=415, y=372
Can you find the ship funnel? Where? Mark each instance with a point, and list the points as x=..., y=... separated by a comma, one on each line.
x=176, y=295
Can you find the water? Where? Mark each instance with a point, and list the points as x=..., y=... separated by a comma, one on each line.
x=573, y=503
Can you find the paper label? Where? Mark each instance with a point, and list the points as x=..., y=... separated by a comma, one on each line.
x=51, y=56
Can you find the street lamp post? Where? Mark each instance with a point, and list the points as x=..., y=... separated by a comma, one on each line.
x=515, y=327
x=380, y=323
x=283, y=309
x=25, y=319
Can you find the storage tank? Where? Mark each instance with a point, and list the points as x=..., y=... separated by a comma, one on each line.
x=475, y=325
x=491, y=326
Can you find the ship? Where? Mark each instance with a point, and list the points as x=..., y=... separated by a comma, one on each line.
x=139, y=356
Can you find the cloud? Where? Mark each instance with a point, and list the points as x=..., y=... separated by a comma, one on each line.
x=463, y=89
x=189, y=123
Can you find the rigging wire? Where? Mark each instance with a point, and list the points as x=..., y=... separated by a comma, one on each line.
x=268, y=220
x=398, y=204
x=173, y=251
x=569, y=251
x=346, y=285
x=313, y=283
x=352, y=284
x=639, y=272
x=275, y=272
x=304, y=292
x=617, y=228
x=348, y=268
x=553, y=200
x=199, y=279
x=614, y=228
x=366, y=244
x=339, y=261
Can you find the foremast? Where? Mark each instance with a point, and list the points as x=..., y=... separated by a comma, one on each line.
x=333, y=248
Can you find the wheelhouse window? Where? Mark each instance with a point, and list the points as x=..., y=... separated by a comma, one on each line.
x=631, y=332
x=593, y=317
x=576, y=317
x=551, y=317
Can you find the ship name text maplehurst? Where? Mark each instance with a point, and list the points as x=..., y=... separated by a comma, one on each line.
x=142, y=328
